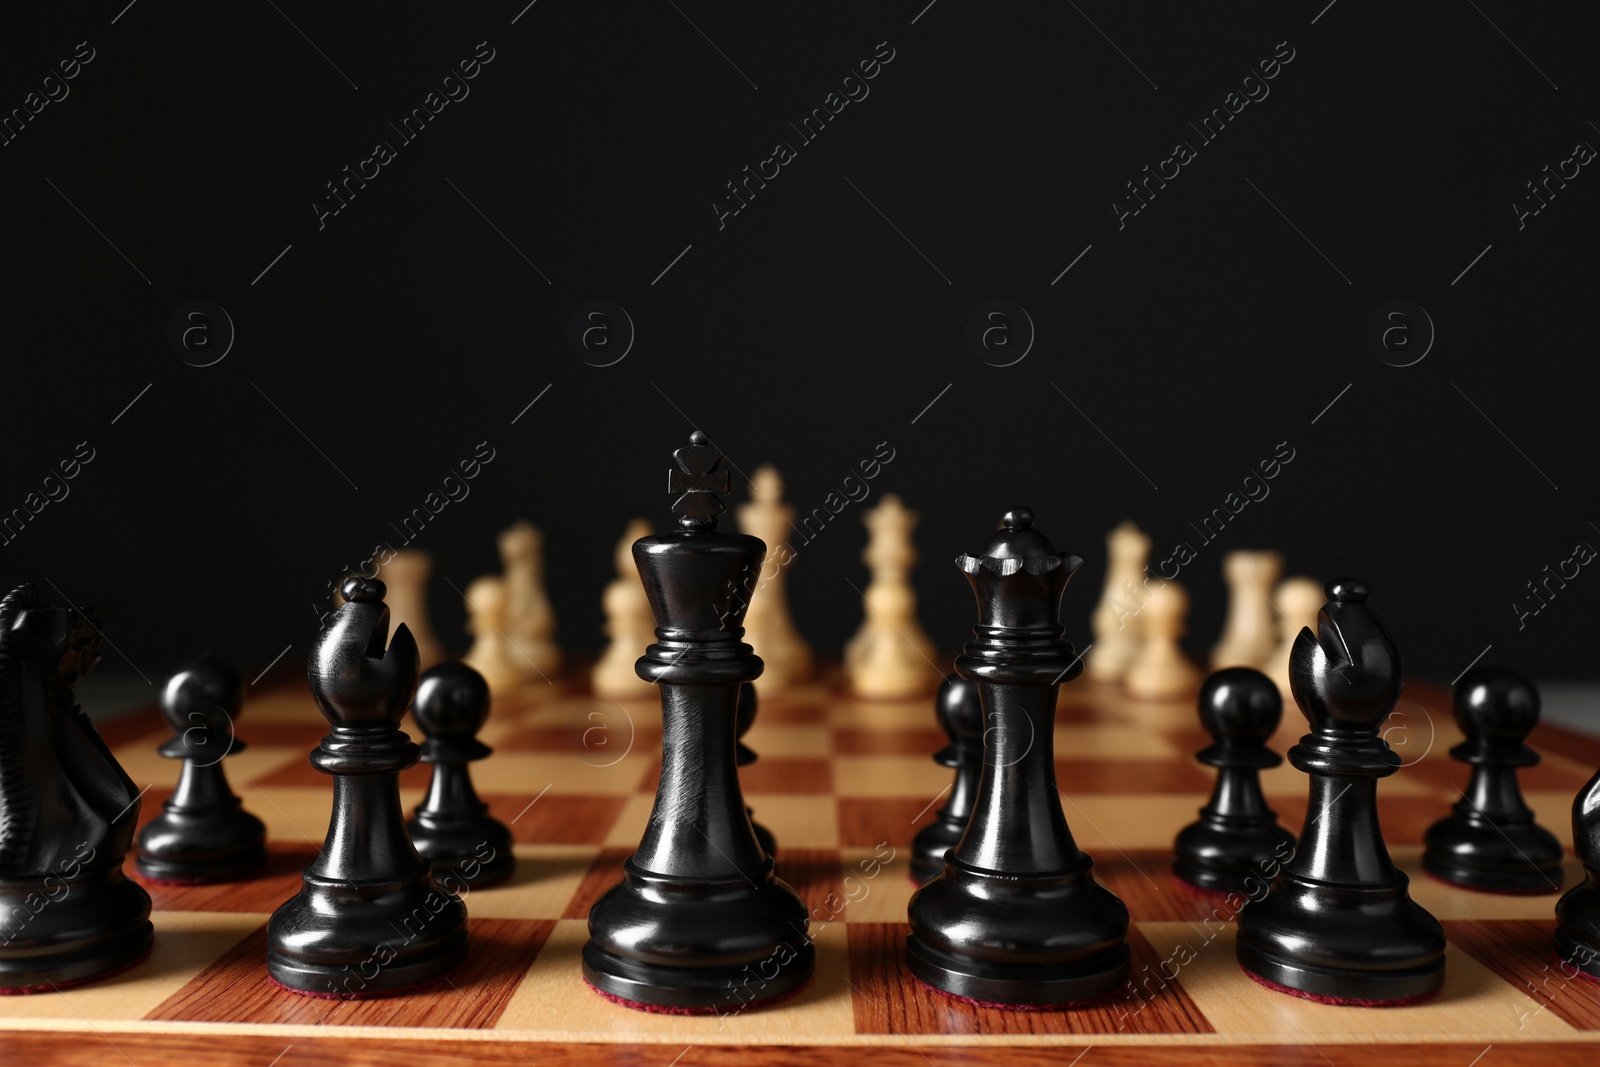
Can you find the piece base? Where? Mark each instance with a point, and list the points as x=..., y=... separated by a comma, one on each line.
x=1329, y=986
x=693, y=990
x=73, y=983
x=1025, y=988
x=1536, y=881
x=1571, y=949
x=376, y=994
x=177, y=872
x=1353, y=1002
x=334, y=983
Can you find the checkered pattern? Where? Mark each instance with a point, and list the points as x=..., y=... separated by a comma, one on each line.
x=838, y=782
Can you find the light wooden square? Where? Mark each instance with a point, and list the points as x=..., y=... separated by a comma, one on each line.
x=888, y=776
x=186, y=943
x=1450, y=902
x=886, y=896
x=545, y=881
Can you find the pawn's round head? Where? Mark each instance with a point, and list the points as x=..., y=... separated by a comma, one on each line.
x=452, y=701
x=1496, y=704
x=207, y=693
x=1240, y=704
x=959, y=707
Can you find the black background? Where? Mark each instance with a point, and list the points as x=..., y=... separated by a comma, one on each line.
x=821, y=320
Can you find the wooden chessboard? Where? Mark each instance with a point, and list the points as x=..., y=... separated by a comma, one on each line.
x=841, y=783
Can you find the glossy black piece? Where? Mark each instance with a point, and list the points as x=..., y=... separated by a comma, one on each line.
x=1016, y=917
x=203, y=833
x=745, y=717
x=1578, y=910
x=1490, y=840
x=467, y=846
x=1237, y=839
x=369, y=918
x=960, y=712
x=1338, y=922
x=67, y=810
x=698, y=922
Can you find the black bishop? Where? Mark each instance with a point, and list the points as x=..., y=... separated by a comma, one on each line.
x=1338, y=925
x=369, y=918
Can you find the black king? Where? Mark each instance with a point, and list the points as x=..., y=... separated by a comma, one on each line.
x=698, y=924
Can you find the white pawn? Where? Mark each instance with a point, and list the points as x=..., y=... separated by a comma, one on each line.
x=530, y=623
x=890, y=658
x=1250, y=635
x=1117, y=619
x=1161, y=671
x=405, y=578
x=768, y=626
x=489, y=655
x=630, y=625
x=1298, y=601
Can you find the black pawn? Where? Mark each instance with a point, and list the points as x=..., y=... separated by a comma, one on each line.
x=452, y=827
x=1578, y=910
x=369, y=918
x=1237, y=837
x=1016, y=918
x=698, y=923
x=203, y=833
x=960, y=713
x=1491, y=841
x=1338, y=924
x=67, y=811
x=746, y=716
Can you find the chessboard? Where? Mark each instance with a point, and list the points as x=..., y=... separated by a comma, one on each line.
x=843, y=784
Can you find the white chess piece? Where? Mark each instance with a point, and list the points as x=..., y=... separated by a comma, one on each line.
x=1298, y=601
x=1250, y=635
x=1161, y=671
x=890, y=658
x=530, y=622
x=405, y=580
x=629, y=624
x=1117, y=623
x=768, y=626
x=486, y=616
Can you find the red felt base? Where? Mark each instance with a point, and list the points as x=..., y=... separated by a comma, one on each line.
x=662, y=1009
x=1215, y=894
x=375, y=995
x=1495, y=892
x=1353, y=1002
x=996, y=1006
x=1568, y=963
x=56, y=987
